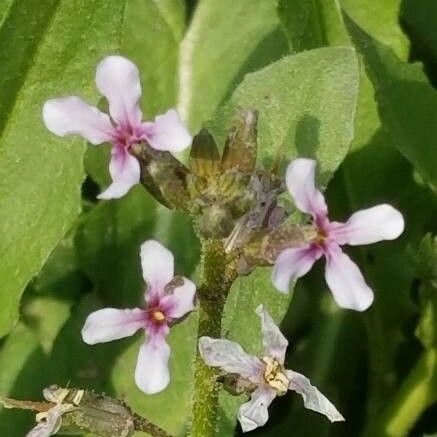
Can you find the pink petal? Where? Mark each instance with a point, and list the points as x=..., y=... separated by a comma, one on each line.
x=73, y=116
x=292, y=264
x=275, y=344
x=312, y=398
x=118, y=80
x=111, y=324
x=255, y=413
x=382, y=222
x=181, y=301
x=346, y=281
x=125, y=173
x=230, y=357
x=300, y=180
x=152, y=374
x=157, y=263
x=168, y=133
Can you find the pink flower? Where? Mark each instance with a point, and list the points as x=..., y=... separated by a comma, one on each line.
x=267, y=374
x=342, y=275
x=117, y=79
x=167, y=299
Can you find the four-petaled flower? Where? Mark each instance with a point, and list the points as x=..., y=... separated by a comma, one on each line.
x=167, y=298
x=267, y=373
x=117, y=79
x=342, y=275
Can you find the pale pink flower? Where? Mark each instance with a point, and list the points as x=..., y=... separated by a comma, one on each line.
x=167, y=298
x=117, y=79
x=267, y=374
x=382, y=222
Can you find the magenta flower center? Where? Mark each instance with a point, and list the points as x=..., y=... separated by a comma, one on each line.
x=126, y=136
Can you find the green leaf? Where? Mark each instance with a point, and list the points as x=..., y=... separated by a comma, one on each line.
x=312, y=24
x=307, y=106
x=225, y=40
x=177, y=396
x=46, y=50
x=381, y=20
x=407, y=121
x=151, y=34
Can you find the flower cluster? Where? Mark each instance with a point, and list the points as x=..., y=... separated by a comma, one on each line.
x=169, y=298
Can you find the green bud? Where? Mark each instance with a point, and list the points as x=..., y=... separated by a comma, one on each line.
x=163, y=176
x=264, y=246
x=241, y=145
x=215, y=221
x=235, y=384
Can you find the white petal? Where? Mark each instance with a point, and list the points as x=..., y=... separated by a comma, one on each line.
x=168, y=132
x=51, y=424
x=152, y=374
x=73, y=116
x=300, y=180
x=118, y=80
x=181, y=301
x=125, y=173
x=346, y=281
x=292, y=264
x=382, y=222
x=157, y=263
x=275, y=344
x=312, y=398
x=111, y=324
x=230, y=357
x=255, y=413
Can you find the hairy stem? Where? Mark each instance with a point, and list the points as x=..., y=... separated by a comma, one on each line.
x=217, y=279
x=415, y=395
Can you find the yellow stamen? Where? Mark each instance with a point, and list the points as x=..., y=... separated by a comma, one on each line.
x=158, y=316
x=274, y=376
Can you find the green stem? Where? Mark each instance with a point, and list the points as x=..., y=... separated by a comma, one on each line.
x=142, y=424
x=216, y=282
x=415, y=395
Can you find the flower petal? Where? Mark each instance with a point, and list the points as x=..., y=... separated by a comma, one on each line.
x=382, y=222
x=346, y=281
x=292, y=264
x=181, y=301
x=125, y=173
x=168, y=133
x=118, y=80
x=152, y=374
x=73, y=116
x=230, y=357
x=255, y=413
x=51, y=424
x=275, y=344
x=157, y=263
x=111, y=324
x=312, y=398
x=300, y=180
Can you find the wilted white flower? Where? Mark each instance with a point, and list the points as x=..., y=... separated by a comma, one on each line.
x=267, y=373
